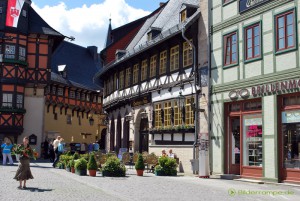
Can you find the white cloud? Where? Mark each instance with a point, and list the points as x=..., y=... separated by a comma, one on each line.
x=89, y=24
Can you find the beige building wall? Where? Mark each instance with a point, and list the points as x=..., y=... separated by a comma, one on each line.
x=72, y=133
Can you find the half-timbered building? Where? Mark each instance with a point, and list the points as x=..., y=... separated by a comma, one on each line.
x=149, y=90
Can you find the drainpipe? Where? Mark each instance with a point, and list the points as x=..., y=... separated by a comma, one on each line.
x=196, y=91
x=209, y=85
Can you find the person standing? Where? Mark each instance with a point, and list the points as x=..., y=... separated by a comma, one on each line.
x=24, y=173
x=55, y=145
x=7, y=146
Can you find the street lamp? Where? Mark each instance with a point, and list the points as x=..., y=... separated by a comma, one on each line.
x=144, y=115
x=181, y=103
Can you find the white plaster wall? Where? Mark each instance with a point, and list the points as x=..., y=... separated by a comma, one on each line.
x=230, y=10
x=286, y=61
x=269, y=132
x=251, y=21
x=268, y=42
x=217, y=40
x=267, y=21
x=177, y=137
x=216, y=15
x=216, y=3
x=34, y=120
x=165, y=94
x=167, y=137
x=268, y=64
x=230, y=74
x=216, y=60
x=216, y=76
x=253, y=69
x=284, y=8
x=189, y=137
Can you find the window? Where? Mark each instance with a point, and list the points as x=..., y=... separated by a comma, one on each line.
x=19, y=103
x=60, y=91
x=72, y=94
x=253, y=42
x=167, y=114
x=285, y=31
x=99, y=100
x=158, y=123
x=22, y=53
x=189, y=113
x=7, y=100
x=183, y=15
x=144, y=70
x=174, y=58
x=95, y=99
x=177, y=115
x=153, y=66
x=10, y=51
x=128, y=75
x=163, y=62
x=187, y=54
x=135, y=73
x=149, y=36
x=116, y=81
x=230, y=51
x=83, y=96
x=78, y=95
x=47, y=91
x=69, y=119
x=121, y=83
x=53, y=90
x=88, y=97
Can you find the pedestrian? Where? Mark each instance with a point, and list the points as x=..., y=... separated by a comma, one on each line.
x=51, y=152
x=55, y=145
x=6, y=152
x=23, y=173
x=96, y=146
x=163, y=153
x=171, y=155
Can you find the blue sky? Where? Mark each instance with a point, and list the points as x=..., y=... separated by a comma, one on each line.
x=87, y=20
x=149, y=5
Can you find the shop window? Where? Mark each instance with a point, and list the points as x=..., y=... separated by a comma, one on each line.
x=250, y=106
x=121, y=83
x=22, y=53
x=253, y=42
x=7, y=100
x=291, y=100
x=230, y=49
x=10, y=51
x=167, y=114
x=189, y=113
x=128, y=75
x=163, y=62
x=177, y=115
x=234, y=107
x=174, y=58
x=187, y=54
x=153, y=66
x=135, y=73
x=252, y=140
x=285, y=31
x=291, y=139
x=144, y=70
x=19, y=102
x=157, y=115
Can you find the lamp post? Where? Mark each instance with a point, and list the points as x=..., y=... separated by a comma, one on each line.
x=181, y=103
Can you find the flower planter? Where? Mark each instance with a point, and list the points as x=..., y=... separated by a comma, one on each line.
x=92, y=173
x=72, y=169
x=139, y=172
x=80, y=172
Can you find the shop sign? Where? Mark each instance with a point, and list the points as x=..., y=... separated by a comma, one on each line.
x=141, y=101
x=291, y=117
x=245, y=5
x=275, y=87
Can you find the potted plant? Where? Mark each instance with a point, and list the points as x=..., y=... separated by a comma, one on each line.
x=113, y=168
x=140, y=166
x=92, y=165
x=72, y=165
x=159, y=171
x=167, y=167
x=80, y=167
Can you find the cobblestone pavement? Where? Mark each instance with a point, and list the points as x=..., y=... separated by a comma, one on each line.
x=56, y=184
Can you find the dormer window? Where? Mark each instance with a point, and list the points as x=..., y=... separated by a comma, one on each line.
x=154, y=31
x=183, y=15
x=120, y=54
x=62, y=70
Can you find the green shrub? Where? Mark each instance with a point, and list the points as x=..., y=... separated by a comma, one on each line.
x=72, y=163
x=76, y=156
x=92, y=165
x=85, y=156
x=139, y=165
x=81, y=164
x=113, y=168
x=167, y=166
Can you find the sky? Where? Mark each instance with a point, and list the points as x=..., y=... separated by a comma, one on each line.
x=87, y=20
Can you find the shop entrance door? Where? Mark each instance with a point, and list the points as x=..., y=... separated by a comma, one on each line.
x=234, y=145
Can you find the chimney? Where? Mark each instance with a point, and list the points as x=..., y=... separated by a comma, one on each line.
x=161, y=4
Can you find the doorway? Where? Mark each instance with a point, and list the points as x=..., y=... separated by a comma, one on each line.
x=234, y=145
x=144, y=136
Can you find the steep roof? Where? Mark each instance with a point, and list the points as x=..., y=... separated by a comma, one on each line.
x=81, y=65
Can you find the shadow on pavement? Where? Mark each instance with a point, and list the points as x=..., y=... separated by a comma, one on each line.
x=39, y=190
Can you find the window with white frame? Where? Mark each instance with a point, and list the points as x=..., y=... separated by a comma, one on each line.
x=22, y=53
x=19, y=102
x=7, y=100
x=60, y=91
x=72, y=94
x=10, y=51
x=163, y=62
